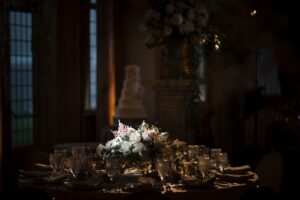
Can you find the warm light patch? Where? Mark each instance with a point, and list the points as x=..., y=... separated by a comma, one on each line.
x=111, y=94
x=111, y=73
x=253, y=13
x=217, y=42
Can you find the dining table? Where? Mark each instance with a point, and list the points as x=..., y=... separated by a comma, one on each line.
x=215, y=189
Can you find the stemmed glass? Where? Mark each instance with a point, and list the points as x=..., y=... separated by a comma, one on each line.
x=213, y=156
x=222, y=161
x=204, y=165
x=78, y=151
x=193, y=151
x=74, y=165
x=190, y=170
x=52, y=162
x=163, y=169
x=57, y=161
x=113, y=168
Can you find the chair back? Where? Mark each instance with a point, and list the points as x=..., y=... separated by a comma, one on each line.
x=270, y=171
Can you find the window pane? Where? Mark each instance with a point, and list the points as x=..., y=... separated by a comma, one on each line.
x=17, y=18
x=93, y=28
x=19, y=47
x=29, y=20
x=93, y=89
x=93, y=52
x=29, y=49
x=93, y=15
x=93, y=64
x=23, y=18
x=24, y=33
x=18, y=32
x=93, y=77
x=24, y=49
x=29, y=34
x=21, y=78
x=93, y=102
x=93, y=40
x=92, y=96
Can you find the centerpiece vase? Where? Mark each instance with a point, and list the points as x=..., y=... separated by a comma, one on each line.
x=180, y=59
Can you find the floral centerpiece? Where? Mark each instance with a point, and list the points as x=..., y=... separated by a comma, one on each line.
x=182, y=28
x=134, y=144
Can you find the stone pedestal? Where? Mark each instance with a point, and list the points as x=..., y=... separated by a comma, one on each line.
x=171, y=98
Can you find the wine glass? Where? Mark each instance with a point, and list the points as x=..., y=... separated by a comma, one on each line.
x=78, y=151
x=213, y=156
x=204, y=165
x=74, y=166
x=57, y=162
x=163, y=169
x=193, y=151
x=222, y=161
x=113, y=168
x=190, y=170
x=52, y=162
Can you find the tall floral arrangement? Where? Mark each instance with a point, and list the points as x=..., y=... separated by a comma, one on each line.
x=134, y=144
x=166, y=20
x=182, y=27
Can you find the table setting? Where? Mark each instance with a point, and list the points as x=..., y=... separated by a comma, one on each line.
x=138, y=160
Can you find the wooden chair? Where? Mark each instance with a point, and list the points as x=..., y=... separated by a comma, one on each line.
x=270, y=171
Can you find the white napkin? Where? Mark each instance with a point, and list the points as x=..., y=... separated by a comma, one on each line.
x=237, y=170
x=235, y=177
x=44, y=167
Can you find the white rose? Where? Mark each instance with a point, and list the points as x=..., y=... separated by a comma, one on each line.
x=147, y=135
x=139, y=148
x=125, y=147
x=114, y=142
x=135, y=137
x=131, y=130
x=108, y=144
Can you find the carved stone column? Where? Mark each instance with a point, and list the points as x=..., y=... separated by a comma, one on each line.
x=171, y=98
